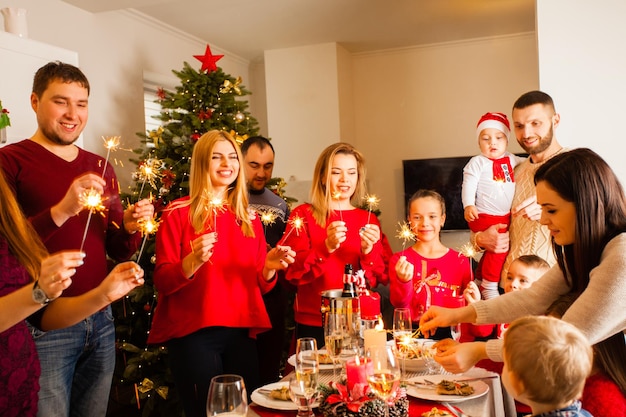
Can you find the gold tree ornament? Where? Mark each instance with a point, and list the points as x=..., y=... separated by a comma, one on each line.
x=228, y=85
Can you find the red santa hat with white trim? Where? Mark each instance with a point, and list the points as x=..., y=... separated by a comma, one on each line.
x=494, y=120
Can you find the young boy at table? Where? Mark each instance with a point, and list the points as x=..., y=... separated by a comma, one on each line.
x=546, y=362
x=522, y=273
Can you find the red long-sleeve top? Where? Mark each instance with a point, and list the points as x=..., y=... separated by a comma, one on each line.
x=433, y=281
x=225, y=291
x=40, y=179
x=315, y=270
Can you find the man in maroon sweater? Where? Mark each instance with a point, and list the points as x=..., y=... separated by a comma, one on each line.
x=50, y=175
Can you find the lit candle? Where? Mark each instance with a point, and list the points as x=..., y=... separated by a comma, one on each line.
x=357, y=370
x=375, y=338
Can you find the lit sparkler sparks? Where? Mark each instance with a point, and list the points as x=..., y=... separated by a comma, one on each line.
x=372, y=203
x=469, y=251
x=213, y=203
x=92, y=201
x=267, y=217
x=146, y=227
x=111, y=143
x=297, y=223
x=336, y=195
x=405, y=233
x=149, y=171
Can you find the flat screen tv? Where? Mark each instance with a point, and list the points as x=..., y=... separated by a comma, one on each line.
x=444, y=175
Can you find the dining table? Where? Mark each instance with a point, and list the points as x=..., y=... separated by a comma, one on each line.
x=494, y=403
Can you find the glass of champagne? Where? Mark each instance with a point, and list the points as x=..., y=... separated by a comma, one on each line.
x=402, y=334
x=307, y=371
x=383, y=377
x=333, y=337
x=227, y=396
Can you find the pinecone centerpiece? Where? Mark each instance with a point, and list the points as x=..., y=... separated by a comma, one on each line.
x=337, y=401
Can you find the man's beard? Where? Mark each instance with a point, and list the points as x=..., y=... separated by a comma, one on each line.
x=544, y=143
x=56, y=139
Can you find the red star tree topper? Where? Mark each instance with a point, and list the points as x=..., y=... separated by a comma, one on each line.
x=208, y=60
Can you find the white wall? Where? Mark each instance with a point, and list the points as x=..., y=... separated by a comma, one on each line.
x=582, y=65
x=114, y=49
x=424, y=102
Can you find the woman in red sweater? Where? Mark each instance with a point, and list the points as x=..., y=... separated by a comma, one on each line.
x=211, y=271
x=333, y=233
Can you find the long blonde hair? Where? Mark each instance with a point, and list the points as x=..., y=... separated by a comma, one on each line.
x=320, y=191
x=23, y=241
x=200, y=185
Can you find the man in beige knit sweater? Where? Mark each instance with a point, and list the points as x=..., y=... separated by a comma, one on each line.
x=534, y=122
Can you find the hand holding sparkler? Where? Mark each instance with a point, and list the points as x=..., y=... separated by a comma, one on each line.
x=136, y=215
x=123, y=278
x=369, y=234
x=277, y=258
x=201, y=252
x=336, y=234
x=74, y=200
x=404, y=269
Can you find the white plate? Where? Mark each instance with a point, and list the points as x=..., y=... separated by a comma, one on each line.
x=323, y=366
x=415, y=364
x=480, y=389
x=265, y=401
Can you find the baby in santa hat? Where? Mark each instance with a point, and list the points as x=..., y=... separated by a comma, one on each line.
x=487, y=193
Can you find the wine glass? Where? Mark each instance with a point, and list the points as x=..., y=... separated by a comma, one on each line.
x=303, y=394
x=307, y=371
x=227, y=396
x=455, y=302
x=333, y=337
x=383, y=377
x=402, y=334
x=428, y=353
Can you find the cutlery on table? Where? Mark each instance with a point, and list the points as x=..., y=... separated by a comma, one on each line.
x=454, y=410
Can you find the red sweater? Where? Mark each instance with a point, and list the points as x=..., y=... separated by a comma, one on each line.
x=433, y=280
x=602, y=397
x=225, y=291
x=40, y=180
x=315, y=270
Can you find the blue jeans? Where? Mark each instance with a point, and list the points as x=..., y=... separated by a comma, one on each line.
x=76, y=367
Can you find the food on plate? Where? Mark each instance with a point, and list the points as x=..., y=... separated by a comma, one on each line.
x=446, y=387
x=435, y=412
x=324, y=359
x=281, y=393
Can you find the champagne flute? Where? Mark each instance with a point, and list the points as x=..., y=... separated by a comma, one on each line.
x=307, y=371
x=383, y=377
x=402, y=334
x=227, y=396
x=333, y=337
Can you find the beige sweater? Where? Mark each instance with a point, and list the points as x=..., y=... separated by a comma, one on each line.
x=599, y=312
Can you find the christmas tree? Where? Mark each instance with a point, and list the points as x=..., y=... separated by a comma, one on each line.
x=205, y=100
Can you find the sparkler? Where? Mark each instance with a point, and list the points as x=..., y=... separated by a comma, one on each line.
x=469, y=251
x=372, y=203
x=296, y=222
x=146, y=227
x=111, y=143
x=92, y=201
x=214, y=204
x=405, y=233
x=149, y=171
x=336, y=195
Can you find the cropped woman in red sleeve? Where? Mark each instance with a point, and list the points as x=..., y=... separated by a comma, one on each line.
x=333, y=233
x=211, y=272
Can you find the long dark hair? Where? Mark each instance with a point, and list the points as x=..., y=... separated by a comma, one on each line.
x=582, y=177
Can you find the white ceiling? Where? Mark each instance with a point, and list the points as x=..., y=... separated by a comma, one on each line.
x=249, y=27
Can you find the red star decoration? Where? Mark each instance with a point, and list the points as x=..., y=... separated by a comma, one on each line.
x=208, y=60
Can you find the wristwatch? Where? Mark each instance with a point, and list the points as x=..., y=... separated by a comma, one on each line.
x=39, y=296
